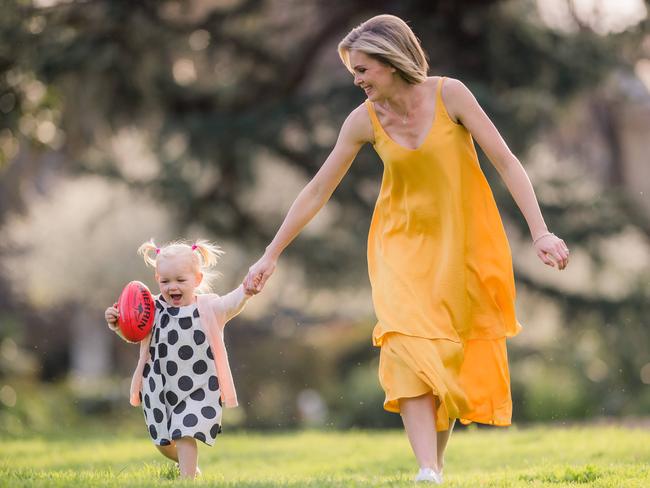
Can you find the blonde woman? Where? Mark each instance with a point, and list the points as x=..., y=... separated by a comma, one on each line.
x=438, y=258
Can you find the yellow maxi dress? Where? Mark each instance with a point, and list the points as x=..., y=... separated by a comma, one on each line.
x=441, y=274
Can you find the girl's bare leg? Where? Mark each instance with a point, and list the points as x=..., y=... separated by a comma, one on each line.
x=187, y=456
x=169, y=452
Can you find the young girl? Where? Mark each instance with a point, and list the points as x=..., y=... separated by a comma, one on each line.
x=182, y=377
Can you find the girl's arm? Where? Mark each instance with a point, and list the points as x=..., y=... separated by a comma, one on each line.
x=463, y=108
x=136, y=380
x=233, y=303
x=356, y=130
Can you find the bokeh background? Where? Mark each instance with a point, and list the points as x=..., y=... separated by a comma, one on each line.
x=121, y=121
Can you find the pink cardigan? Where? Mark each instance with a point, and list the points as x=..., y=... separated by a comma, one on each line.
x=214, y=312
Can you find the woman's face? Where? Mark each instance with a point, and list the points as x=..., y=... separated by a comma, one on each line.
x=374, y=77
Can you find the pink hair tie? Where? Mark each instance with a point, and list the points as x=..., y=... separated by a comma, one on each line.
x=157, y=250
x=194, y=247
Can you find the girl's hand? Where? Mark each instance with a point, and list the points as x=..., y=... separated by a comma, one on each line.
x=552, y=250
x=111, y=315
x=134, y=395
x=258, y=273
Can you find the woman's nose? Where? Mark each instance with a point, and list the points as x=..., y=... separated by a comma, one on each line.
x=357, y=80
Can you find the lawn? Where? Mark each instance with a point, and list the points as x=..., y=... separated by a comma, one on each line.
x=551, y=457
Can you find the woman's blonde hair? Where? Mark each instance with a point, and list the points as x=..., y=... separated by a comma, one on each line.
x=390, y=40
x=204, y=256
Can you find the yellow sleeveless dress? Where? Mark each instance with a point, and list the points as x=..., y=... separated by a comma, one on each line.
x=441, y=274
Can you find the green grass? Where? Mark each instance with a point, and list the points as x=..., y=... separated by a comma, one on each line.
x=537, y=457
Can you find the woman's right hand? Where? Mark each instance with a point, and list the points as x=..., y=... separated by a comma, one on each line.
x=111, y=315
x=258, y=273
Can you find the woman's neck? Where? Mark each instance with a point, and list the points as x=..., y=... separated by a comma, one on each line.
x=404, y=100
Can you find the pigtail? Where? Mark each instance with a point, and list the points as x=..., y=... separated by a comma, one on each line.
x=148, y=248
x=209, y=254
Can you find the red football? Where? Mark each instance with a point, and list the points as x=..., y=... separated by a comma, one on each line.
x=137, y=311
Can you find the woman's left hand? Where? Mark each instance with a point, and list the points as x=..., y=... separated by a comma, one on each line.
x=552, y=250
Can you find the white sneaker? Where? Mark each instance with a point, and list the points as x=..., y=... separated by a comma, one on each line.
x=428, y=475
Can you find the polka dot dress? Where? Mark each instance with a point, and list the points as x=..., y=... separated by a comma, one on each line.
x=180, y=391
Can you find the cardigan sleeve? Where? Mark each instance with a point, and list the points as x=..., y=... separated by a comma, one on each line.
x=232, y=303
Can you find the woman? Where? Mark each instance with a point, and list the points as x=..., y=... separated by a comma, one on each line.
x=438, y=258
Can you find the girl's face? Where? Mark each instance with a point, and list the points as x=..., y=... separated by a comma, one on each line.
x=177, y=280
x=377, y=79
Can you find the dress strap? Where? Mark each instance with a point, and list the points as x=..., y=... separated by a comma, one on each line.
x=439, y=102
x=376, y=126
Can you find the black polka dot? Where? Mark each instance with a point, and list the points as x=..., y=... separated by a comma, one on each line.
x=172, y=399
x=180, y=407
x=147, y=402
x=152, y=352
x=213, y=383
x=158, y=415
x=172, y=337
x=200, y=436
x=195, y=314
x=157, y=335
x=152, y=384
x=169, y=422
x=209, y=353
x=172, y=368
x=185, y=383
x=156, y=366
x=185, y=352
x=177, y=434
x=173, y=311
x=164, y=379
x=165, y=442
x=146, y=371
x=198, y=395
x=216, y=429
x=190, y=420
x=200, y=367
x=164, y=320
x=208, y=412
x=199, y=337
x=162, y=350
x=220, y=402
x=153, y=432
x=161, y=397
x=159, y=305
x=146, y=417
x=185, y=323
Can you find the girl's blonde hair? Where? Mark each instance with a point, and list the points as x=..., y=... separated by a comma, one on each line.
x=390, y=40
x=204, y=256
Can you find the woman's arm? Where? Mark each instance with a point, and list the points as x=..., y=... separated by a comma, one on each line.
x=463, y=108
x=356, y=131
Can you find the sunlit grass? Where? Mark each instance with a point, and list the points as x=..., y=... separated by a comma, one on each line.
x=590, y=456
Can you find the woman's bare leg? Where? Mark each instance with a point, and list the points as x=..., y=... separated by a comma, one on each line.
x=418, y=416
x=443, y=438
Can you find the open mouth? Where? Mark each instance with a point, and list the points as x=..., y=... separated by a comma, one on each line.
x=176, y=298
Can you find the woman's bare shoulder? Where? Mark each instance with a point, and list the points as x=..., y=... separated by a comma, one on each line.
x=454, y=95
x=358, y=126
